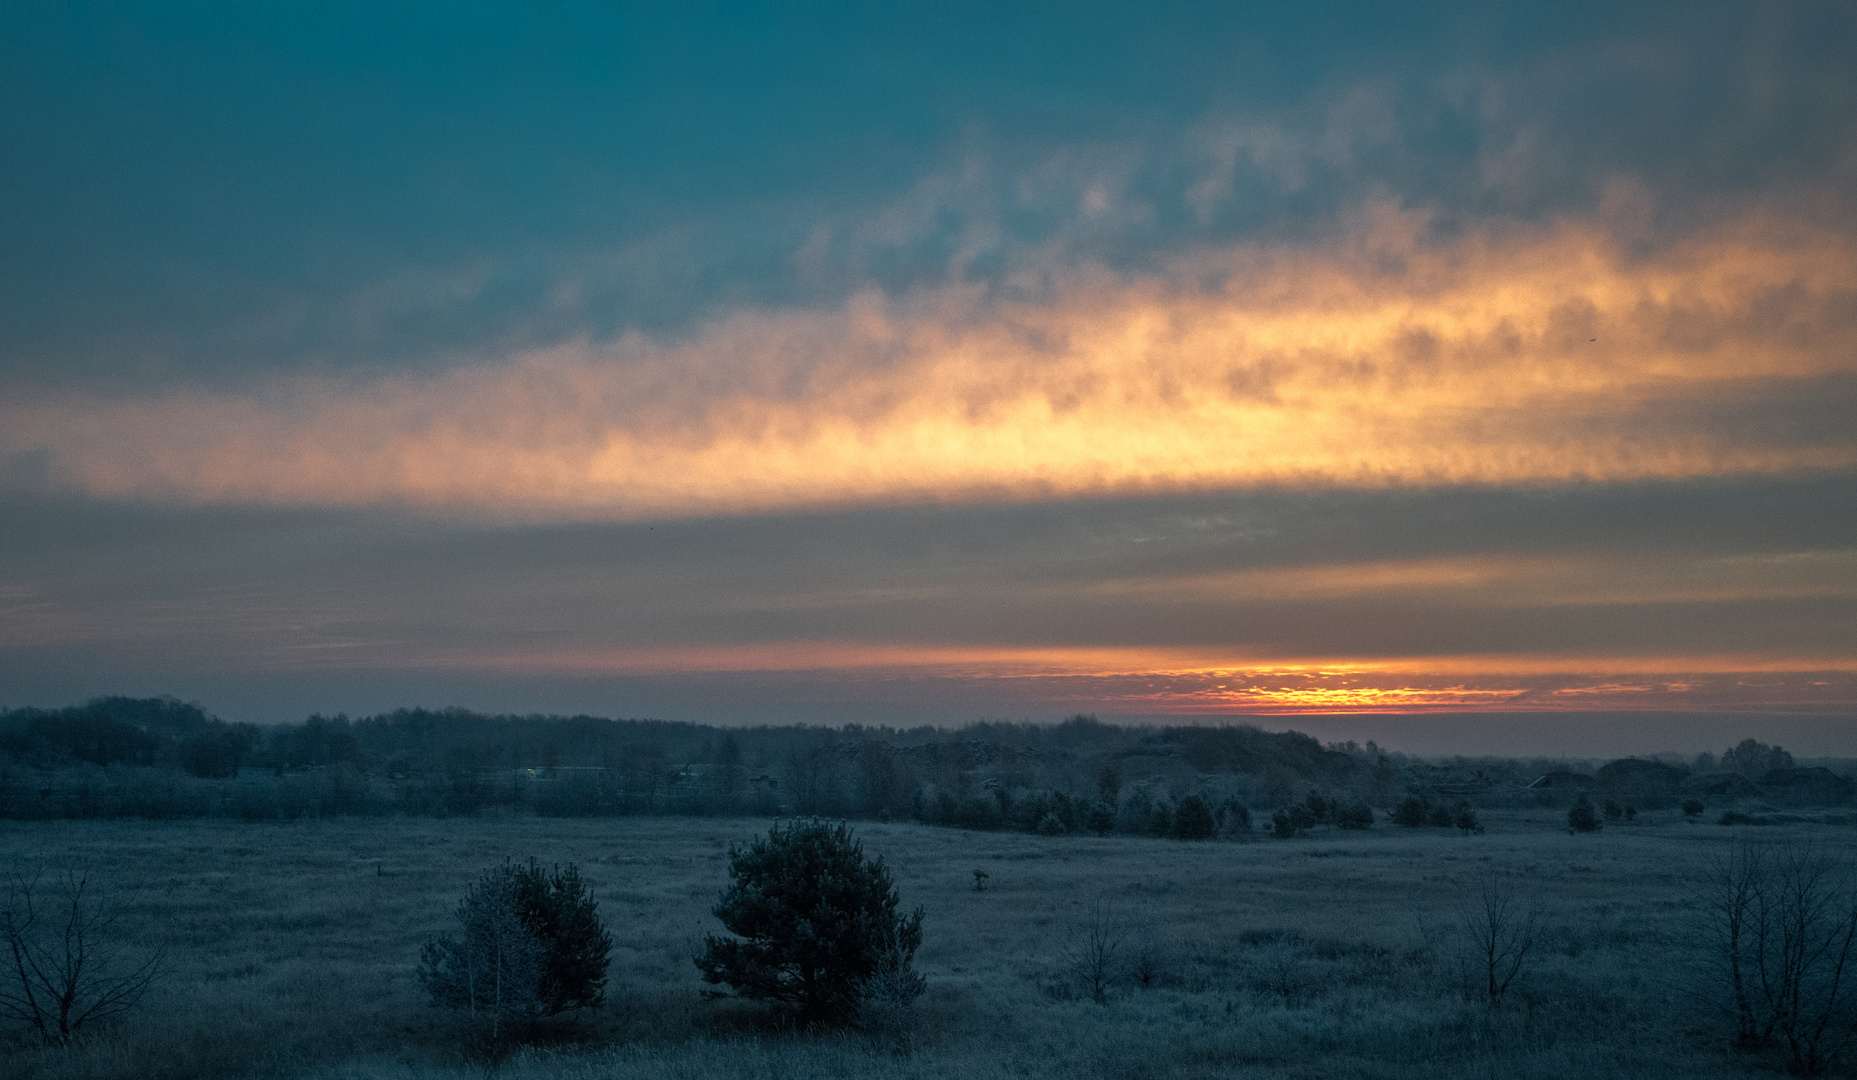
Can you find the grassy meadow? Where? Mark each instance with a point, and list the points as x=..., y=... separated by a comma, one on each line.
x=292, y=949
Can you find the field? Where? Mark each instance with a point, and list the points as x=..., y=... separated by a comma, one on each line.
x=292, y=949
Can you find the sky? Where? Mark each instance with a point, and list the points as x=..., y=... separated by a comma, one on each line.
x=1462, y=376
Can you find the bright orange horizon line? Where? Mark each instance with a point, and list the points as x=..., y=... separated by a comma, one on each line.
x=1183, y=682
x=1132, y=662
x=1838, y=709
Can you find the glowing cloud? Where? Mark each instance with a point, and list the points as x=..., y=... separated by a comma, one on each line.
x=1506, y=356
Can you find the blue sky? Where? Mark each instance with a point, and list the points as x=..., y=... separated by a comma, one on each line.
x=201, y=189
x=930, y=362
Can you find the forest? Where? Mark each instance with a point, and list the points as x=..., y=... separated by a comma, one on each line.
x=163, y=758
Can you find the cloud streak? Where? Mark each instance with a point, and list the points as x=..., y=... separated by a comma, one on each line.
x=1508, y=355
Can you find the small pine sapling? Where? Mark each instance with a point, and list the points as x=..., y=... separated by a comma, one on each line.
x=813, y=920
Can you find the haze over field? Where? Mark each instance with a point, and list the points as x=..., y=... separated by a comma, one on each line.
x=1382, y=371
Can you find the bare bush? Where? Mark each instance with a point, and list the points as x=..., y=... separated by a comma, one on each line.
x=1783, y=923
x=1148, y=967
x=70, y=966
x=1500, y=929
x=1281, y=965
x=1735, y=884
x=1090, y=955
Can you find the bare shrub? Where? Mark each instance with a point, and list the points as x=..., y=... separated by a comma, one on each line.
x=1281, y=965
x=70, y=967
x=1783, y=922
x=1735, y=885
x=1090, y=954
x=1499, y=930
x=1148, y=967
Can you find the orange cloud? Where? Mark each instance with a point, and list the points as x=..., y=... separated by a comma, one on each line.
x=1508, y=356
x=1526, y=580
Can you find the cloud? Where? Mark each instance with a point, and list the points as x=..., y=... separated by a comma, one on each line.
x=1715, y=595
x=214, y=221
x=1508, y=355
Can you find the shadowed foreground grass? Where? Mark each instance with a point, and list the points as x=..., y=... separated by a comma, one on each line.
x=292, y=952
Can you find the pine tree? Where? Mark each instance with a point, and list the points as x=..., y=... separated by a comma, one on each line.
x=815, y=921
x=556, y=906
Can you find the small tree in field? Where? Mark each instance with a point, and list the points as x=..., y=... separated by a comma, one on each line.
x=530, y=945
x=1194, y=820
x=1499, y=929
x=68, y=965
x=1091, y=953
x=1287, y=824
x=1582, y=818
x=1354, y=815
x=1783, y=920
x=815, y=922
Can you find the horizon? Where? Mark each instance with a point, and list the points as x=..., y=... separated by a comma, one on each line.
x=1439, y=372
x=1577, y=737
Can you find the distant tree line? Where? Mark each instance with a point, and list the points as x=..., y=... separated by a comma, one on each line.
x=128, y=731
x=162, y=758
x=158, y=757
